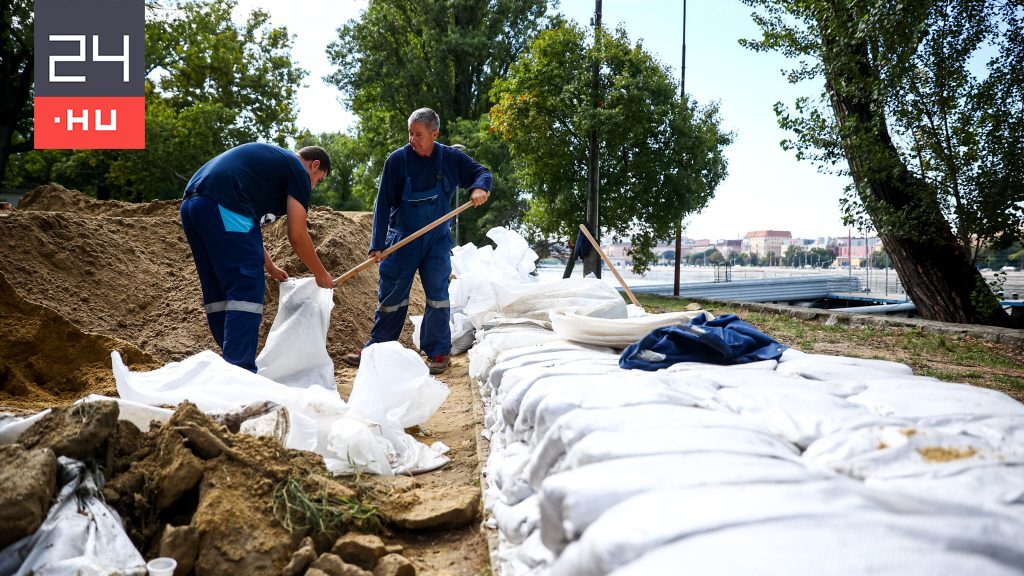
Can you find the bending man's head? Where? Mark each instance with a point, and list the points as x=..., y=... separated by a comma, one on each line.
x=317, y=163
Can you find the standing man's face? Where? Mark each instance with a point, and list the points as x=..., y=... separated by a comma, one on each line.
x=422, y=138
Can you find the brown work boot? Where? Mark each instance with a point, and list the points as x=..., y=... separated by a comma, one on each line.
x=353, y=359
x=438, y=364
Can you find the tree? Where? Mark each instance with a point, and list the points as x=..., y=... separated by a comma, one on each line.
x=897, y=106
x=218, y=84
x=820, y=256
x=794, y=256
x=16, y=68
x=337, y=190
x=660, y=159
x=400, y=55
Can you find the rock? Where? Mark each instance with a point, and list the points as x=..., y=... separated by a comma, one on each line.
x=692, y=307
x=332, y=565
x=394, y=565
x=76, y=431
x=182, y=544
x=316, y=572
x=393, y=548
x=363, y=550
x=29, y=480
x=447, y=507
x=301, y=559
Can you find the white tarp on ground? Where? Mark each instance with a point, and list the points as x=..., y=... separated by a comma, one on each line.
x=392, y=390
x=81, y=535
x=810, y=464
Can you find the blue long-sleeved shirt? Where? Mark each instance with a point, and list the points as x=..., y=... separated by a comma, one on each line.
x=458, y=166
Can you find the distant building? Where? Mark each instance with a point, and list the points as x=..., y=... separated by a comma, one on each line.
x=856, y=251
x=763, y=242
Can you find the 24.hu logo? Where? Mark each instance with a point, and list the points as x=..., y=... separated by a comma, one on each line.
x=89, y=71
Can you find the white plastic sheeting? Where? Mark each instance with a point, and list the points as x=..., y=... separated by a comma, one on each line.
x=392, y=390
x=809, y=464
x=295, y=353
x=81, y=535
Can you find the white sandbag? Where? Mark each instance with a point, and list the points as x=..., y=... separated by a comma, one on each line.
x=487, y=347
x=214, y=385
x=584, y=296
x=570, y=501
x=516, y=382
x=477, y=270
x=798, y=414
x=648, y=521
x=604, y=445
x=519, y=521
x=551, y=398
x=461, y=328
x=769, y=380
x=394, y=386
x=823, y=363
x=80, y=535
x=618, y=332
x=762, y=365
x=919, y=398
x=997, y=488
x=576, y=425
x=494, y=378
x=894, y=452
x=863, y=544
x=295, y=353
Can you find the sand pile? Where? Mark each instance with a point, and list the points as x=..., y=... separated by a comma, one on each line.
x=79, y=278
x=125, y=271
x=45, y=360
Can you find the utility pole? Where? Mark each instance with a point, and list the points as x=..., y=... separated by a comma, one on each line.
x=592, y=263
x=682, y=102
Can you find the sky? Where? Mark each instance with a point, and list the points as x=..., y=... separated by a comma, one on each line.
x=767, y=187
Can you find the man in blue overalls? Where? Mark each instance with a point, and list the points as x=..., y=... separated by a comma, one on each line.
x=416, y=188
x=225, y=204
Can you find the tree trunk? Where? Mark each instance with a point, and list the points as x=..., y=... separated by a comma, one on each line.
x=932, y=265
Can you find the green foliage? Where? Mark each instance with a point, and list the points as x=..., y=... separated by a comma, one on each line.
x=400, y=55
x=958, y=130
x=16, y=69
x=660, y=160
x=338, y=190
x=211, y=85
x=506, y=205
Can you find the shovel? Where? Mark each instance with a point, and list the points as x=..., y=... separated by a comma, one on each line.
x=609, y=264
x=366, y=264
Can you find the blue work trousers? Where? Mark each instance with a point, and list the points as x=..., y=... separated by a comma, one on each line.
x=431, y=255
x=230, y=267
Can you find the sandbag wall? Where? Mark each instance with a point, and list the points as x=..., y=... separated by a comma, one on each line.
x=807, y=465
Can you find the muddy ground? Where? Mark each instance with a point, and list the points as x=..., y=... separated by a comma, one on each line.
x=79, y=278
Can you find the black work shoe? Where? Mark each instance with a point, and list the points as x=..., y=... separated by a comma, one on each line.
x=438, y=364
x=353, y=359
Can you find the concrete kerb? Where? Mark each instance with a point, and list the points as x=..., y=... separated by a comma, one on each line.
x=1008, y=336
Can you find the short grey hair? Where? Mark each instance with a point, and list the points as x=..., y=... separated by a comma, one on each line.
x=427, y=117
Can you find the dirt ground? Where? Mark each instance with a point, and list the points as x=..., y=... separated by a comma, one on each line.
x=79, y=278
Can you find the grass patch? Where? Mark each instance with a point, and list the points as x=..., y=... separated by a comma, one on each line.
x=948, y=357
x=307, y=504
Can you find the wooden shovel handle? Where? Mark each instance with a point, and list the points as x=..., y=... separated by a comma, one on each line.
x=369, y=261
x=609, y=264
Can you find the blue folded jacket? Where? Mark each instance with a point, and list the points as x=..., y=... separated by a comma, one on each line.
x=724, y=340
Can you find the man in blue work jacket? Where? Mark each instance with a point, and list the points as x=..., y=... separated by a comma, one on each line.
x=225, y=204
x=416, y=188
